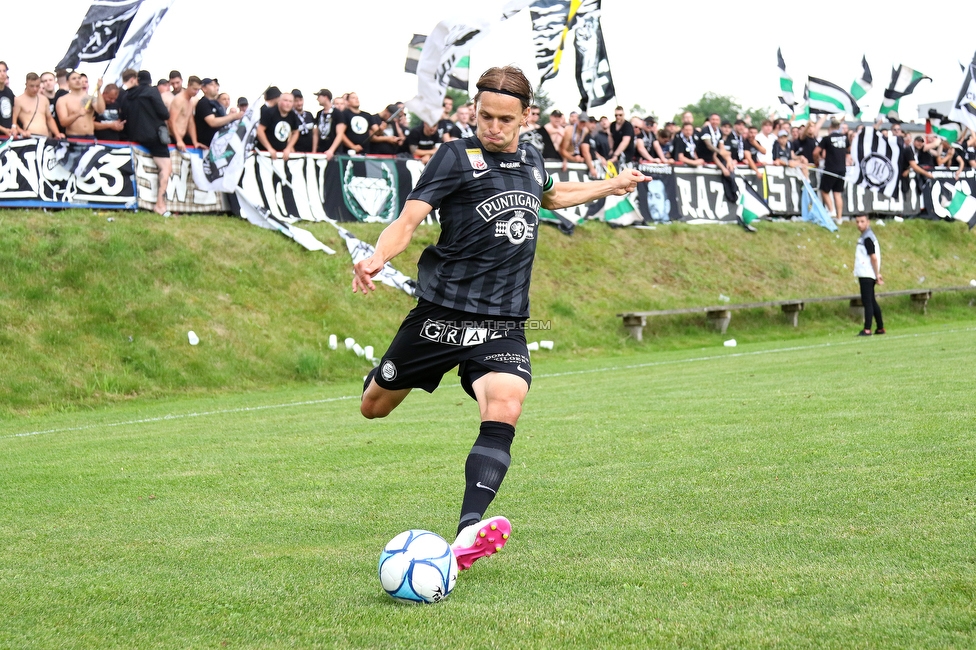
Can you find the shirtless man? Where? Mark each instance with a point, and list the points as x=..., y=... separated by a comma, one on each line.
x=75, y=113
x=181, y=123
x=31, y=114
x=555, y=128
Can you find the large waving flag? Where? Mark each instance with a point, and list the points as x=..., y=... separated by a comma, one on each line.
x=829, y=98
x=903, y=82
x=592, y=65
x=447, y=44
x=101, y=32
x=877, y=159
x=785, y=81
x=942, y=126
x=458, y=77
x=962, y=207
x=222, y=164
x=964, y=110
x=862, y=84
x=144, y=24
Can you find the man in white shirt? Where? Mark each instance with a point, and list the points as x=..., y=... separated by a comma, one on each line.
x=765, y=139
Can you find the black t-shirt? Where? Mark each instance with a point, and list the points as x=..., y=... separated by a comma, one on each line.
x=834, y=147
x=686, y=147
x=702, y=148
x=205, y=107
x=422, y=140
x=327, y=121
x=445, y=126
x=357, y=127
x=7, y=108
x=618, y=133
x=539, y=138
x=489, y=216
x=601, y=144
x=306, y=122
x=735, y=146
x=389, y=129
x=112, y=114
x=459, y=131
x=278, y=127
x=58, y=94
x=804, y=147
x=782, y=151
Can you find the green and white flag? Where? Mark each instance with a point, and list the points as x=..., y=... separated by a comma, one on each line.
x=829, y=98
x=903, y=82
x=862, y=84
x=785, y=81
x=751, y=205
x=962, y=207
x=943, y=127
x=621, y=211
x=802, y=114
x=964, y=110
x=459, y=75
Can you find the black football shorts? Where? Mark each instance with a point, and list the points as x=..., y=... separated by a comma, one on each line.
x=830, y=183
x=433, y=339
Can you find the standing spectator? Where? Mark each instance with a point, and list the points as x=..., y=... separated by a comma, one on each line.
x=531, y=132
x=271, y=97
x=462, y=126
x=806, y=143
x=358, y=125
x=867, y=270
x=210, y=115
x=834, y=150
x=783, y=153
x=306, y=126
x=445, y=123
x=76, y=110
x=572, y=143
x=181, y=125
x=329, y=126
x=241, y=106
x=165, y=92
x=753, y=150
x=555, y=129
x=388, y=137
x=146, y=117
x=278, y=128
x=600, y=139
x=664, y=145
x=710, y=138
x=109, y=123
x=49, y=85
x=175, y=82
x=763, y=142
x=686, y=146
x=621, y=138
x=340, y=102
x=7, y=99
x=224, y=100
x=424, y=141
x=971, y=151
x=30, y=113
x=917, y=159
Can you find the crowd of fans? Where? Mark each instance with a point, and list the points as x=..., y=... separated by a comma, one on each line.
x=188, y=114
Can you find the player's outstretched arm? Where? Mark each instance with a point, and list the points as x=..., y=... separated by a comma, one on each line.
x=393, y=241
x=565, y=195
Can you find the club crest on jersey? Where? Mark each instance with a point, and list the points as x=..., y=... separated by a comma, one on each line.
x=507, y=202
x=516, y=229
x=537, y=175
x=477, y=159
x=388, y=371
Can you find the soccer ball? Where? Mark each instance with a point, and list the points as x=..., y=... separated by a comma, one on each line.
x=418, y=566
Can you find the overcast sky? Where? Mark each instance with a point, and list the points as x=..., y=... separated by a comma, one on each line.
x=662, y=57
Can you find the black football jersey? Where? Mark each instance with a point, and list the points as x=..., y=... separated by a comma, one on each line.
x=489, y=214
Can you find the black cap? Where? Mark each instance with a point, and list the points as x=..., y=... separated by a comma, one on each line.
x=391, y=109
x=297, y=93
x=145, y=77
x=272, y=93
x=242, y=101
x=208, y=80
x=324, y=91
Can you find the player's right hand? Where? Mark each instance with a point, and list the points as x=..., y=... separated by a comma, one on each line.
x=363, y=273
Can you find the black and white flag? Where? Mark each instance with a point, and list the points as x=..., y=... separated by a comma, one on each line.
x=964, y=110
x=458, y=77
x=101, y=32
x=143, y=26
x=878, y=161
x=593, y=76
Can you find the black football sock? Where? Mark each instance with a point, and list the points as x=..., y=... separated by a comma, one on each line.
x=485, y=469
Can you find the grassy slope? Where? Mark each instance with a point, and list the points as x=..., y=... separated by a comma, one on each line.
x=92, y=310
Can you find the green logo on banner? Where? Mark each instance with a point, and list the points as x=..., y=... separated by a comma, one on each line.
x=373, y=193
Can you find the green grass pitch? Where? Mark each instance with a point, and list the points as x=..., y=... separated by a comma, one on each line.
x=815, y=495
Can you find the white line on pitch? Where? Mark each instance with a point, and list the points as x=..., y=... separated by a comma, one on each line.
x=650, y=364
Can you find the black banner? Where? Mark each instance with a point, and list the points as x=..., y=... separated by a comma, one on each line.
x=37, y=172
x=944, y=184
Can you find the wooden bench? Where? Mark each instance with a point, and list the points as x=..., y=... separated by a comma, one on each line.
x=719, y=316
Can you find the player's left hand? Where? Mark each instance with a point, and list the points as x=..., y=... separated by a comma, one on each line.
x=363, y=273
x=626, y=181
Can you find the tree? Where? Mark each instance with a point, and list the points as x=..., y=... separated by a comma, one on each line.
x=544, y=103
x=725, y=106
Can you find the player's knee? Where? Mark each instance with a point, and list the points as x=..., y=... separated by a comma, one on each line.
x=505, y=409
x=372, y=409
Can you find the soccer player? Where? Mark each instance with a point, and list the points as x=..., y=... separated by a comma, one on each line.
x=473, y=287
x=867, y=269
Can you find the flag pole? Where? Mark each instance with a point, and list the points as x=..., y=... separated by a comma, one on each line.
x=98, y=88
